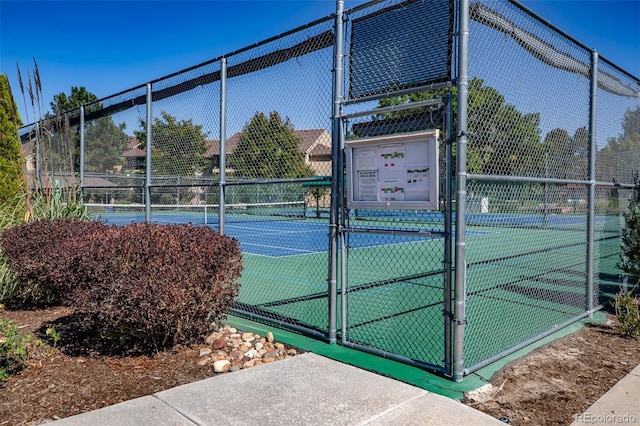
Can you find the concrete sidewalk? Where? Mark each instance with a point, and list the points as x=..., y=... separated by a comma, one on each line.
x=619, y=406
x=310, y=389
x=307, y=389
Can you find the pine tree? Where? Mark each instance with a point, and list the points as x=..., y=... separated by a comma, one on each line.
x=268, y=148
x=630, y=238
x=11, y=177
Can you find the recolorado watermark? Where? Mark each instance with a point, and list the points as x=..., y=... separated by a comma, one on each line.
x=615, y=419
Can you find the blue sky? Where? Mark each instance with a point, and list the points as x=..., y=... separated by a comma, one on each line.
x=111, y=46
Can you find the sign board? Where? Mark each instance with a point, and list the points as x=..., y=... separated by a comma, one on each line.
x=393, y=172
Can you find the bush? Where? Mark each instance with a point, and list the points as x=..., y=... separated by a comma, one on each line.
x=630, y=236
x=13, y=348
x=146, y=284
x=26, y=208
x=158, y=284
x=42, y=254
x=628, y=313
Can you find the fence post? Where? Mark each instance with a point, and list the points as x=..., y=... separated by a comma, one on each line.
x=336, y=155
x=38, y=181
x=82, y=152
x=147, y=186
x=461, y=173
x=222, y=175
x=448, y=229
x=592, y=178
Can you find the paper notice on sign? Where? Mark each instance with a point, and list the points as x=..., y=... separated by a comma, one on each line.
x=417, y=186
x=366, y=160
x=368, y=185
x=391, y=190
x=391, y=157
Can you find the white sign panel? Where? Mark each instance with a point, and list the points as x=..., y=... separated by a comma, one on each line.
x=396, y=171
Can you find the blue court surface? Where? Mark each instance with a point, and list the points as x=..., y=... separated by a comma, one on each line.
x=295, y=236
x=280, y=238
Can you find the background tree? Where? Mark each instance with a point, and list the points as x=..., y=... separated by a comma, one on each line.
x=63, y=150
x=268, y=148
x=502, y=140
x=177, y=147
x=621, y=156
x=566, y=156
x=11, y=168
x=79, y=96
x=104, y=144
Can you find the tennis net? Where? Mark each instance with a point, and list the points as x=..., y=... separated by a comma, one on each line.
x=207, y=214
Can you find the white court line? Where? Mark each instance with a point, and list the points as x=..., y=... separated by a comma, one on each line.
x=278, y=247
x=275, y=229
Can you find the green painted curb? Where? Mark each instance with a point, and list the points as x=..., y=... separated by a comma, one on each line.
x=403, y=372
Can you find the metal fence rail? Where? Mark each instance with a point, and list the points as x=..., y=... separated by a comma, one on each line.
x=538, y=151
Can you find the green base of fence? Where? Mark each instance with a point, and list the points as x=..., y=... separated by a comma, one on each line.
x=403, y=372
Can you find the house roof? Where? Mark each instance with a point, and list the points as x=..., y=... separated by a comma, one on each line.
x=70, y=181
x=134, y=153
x=134, y=150
x=213, y=146
x=27, y=149
x=312, y=141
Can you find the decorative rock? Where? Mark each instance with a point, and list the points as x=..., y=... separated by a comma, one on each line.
x=219, y=343
x=231, y=350
x=236, y=354
x=248, y=337
x=251, y=353
x=221, y=366
x=235, y=342
x=213, y=336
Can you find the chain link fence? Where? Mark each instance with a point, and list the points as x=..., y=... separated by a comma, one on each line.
x=537, y=150
x=534, y=128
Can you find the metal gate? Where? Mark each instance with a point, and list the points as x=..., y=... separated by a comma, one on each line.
x=395, y=292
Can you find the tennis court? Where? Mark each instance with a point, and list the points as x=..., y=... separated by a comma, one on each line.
x=399, y=305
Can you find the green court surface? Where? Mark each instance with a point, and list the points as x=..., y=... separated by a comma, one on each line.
x=521, y=283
